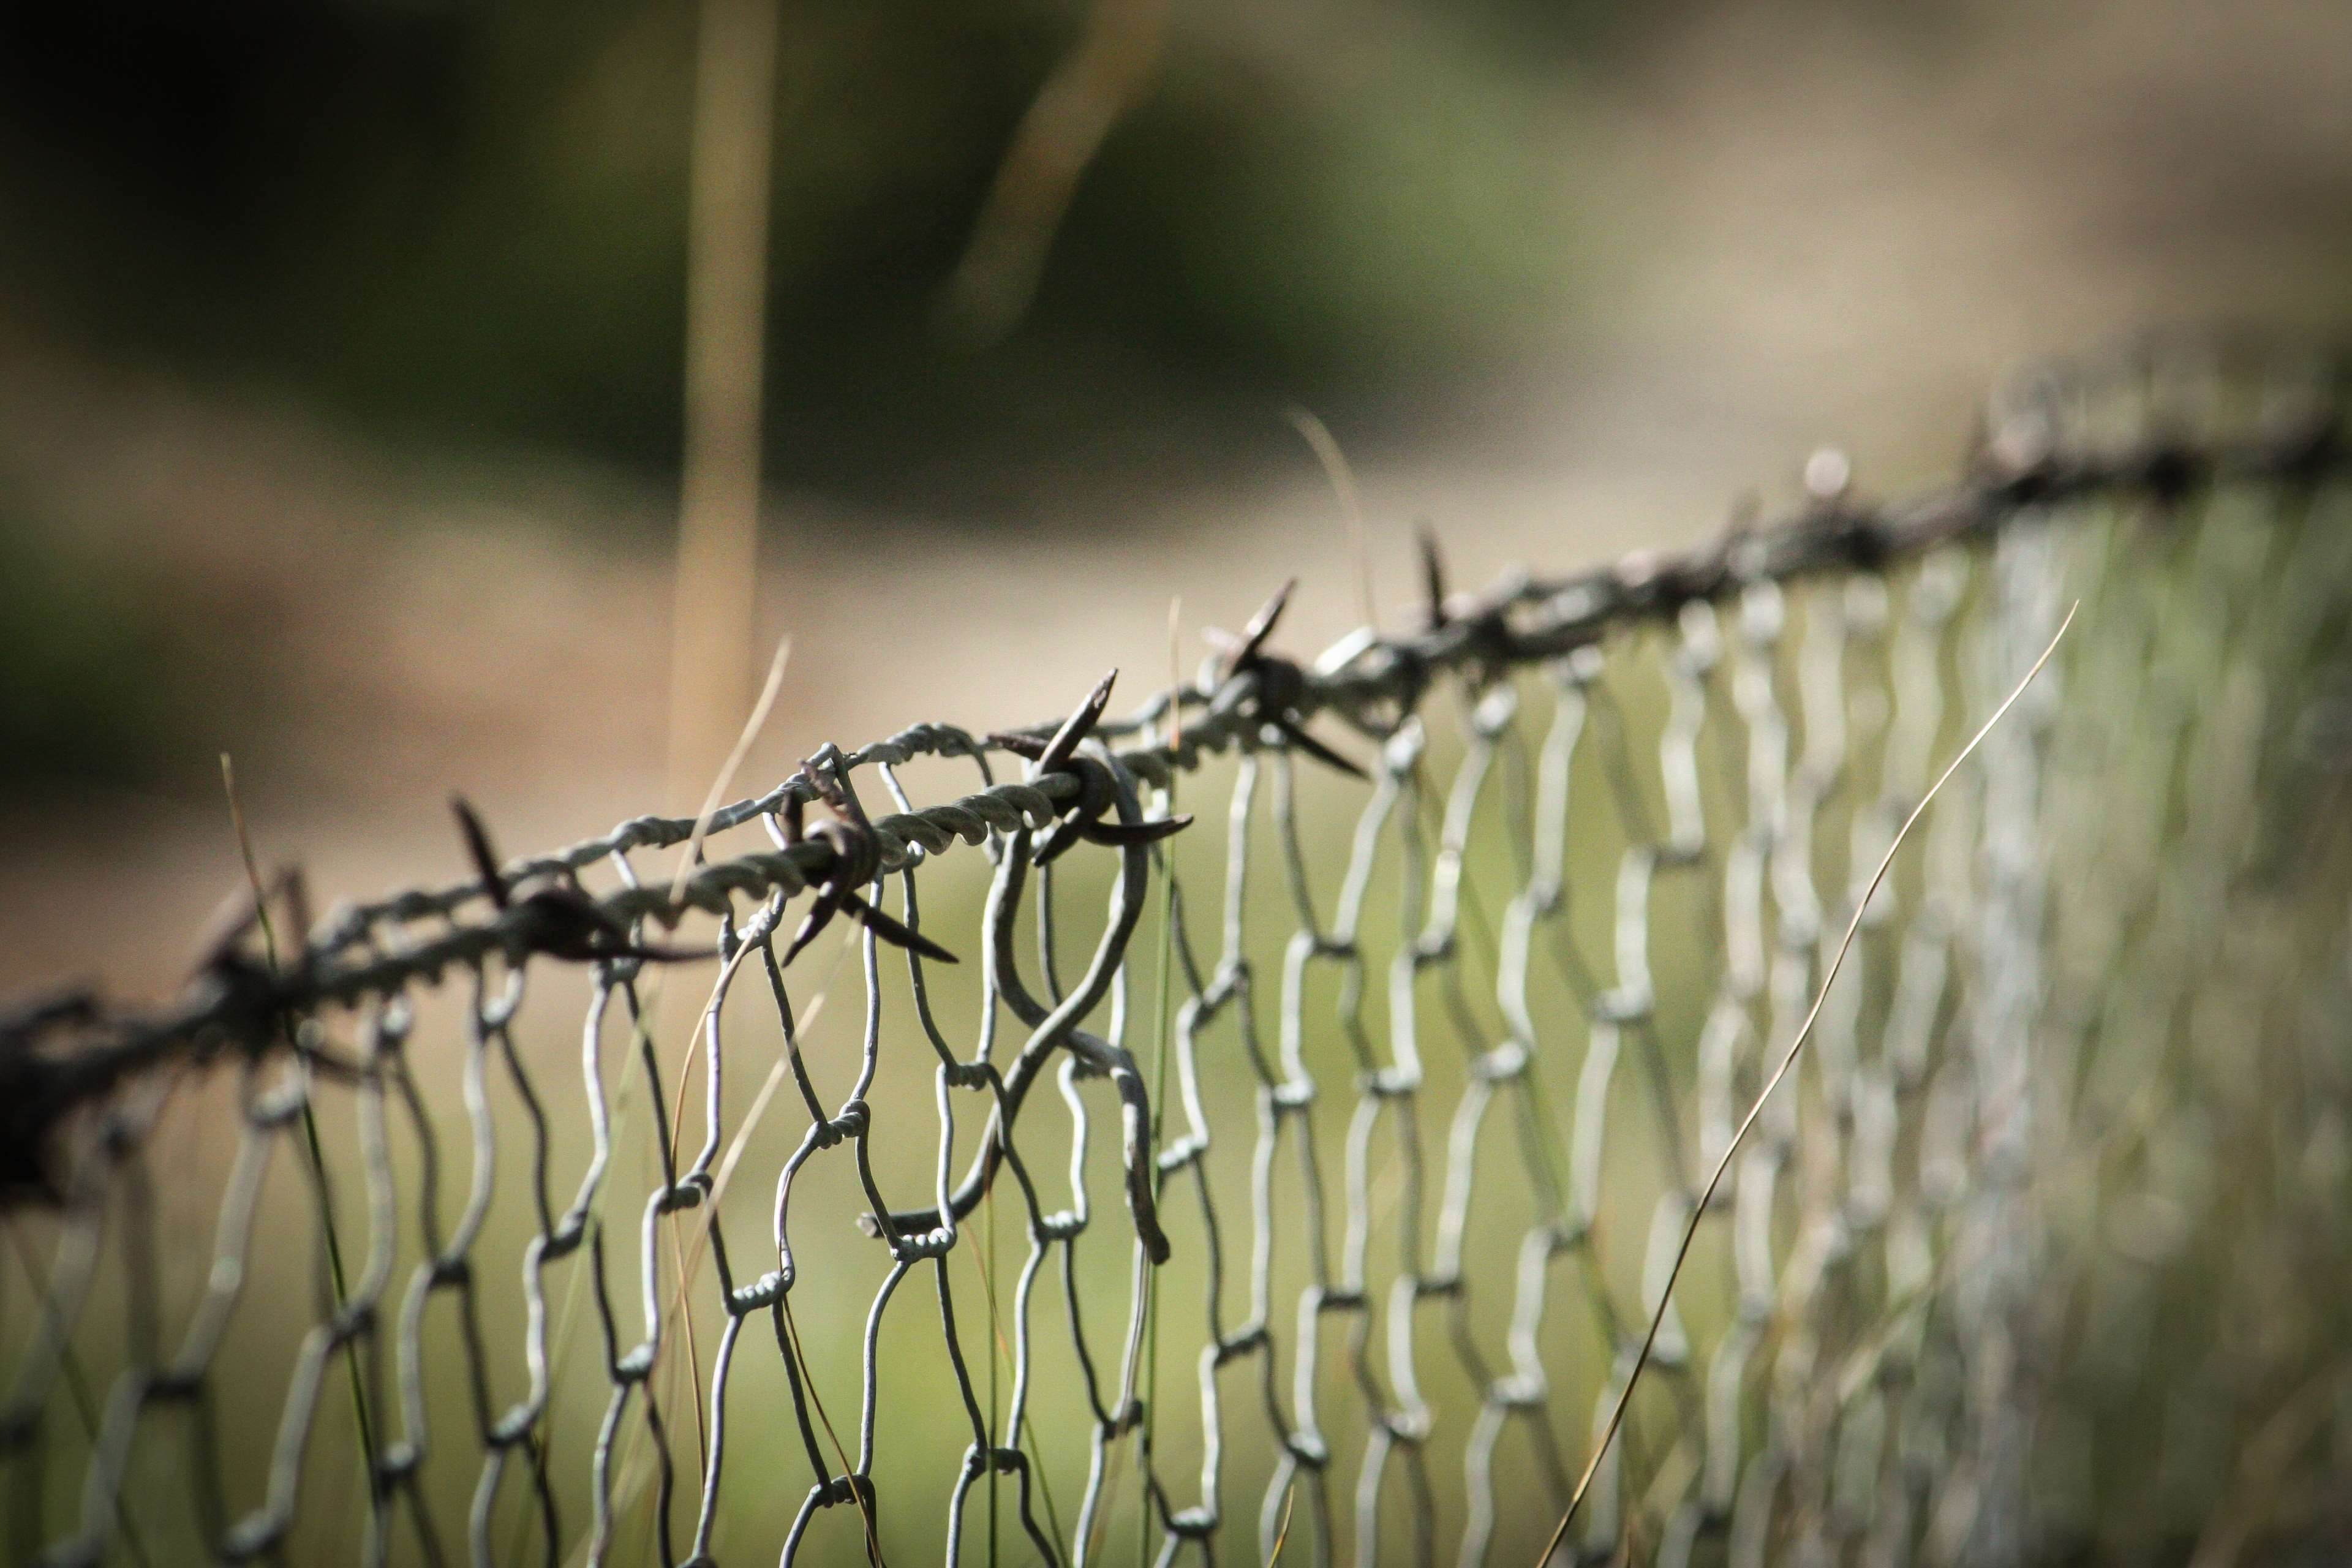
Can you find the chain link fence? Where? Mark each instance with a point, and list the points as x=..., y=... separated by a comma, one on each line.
x=1301, y=1181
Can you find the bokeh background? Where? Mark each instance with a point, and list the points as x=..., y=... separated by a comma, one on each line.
x=341, y=350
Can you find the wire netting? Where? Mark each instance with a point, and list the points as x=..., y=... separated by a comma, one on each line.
x=1303, y=1183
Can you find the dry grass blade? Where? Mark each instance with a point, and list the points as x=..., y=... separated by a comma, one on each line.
x=317, y=1152
x=689, y=1265
x=718, y=786
x=1004, y=1356
x=686, y=1268
x=1163, y=1014
x=1088, y=92
x=1319, y=436
x=634, y=1473
x=692, y=1268
x=800, y=1356
x=730, y=180
x=692, y=856
x=1282, y=1532
x=752, y=1120
x=77, y=1385
x=1739, y=1135
x=1176, y=672
x=705, y=1019
x=688, y=861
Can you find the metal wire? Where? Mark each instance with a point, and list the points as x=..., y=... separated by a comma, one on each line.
x=2041, y=1251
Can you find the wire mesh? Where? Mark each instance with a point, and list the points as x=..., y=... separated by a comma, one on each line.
x=1380, y=1111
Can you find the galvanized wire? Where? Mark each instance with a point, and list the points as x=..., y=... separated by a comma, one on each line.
x=2041, y=1250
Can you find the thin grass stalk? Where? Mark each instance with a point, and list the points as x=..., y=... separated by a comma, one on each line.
x=1159, y=1097
x=1796, y=1046
x=310, y=1141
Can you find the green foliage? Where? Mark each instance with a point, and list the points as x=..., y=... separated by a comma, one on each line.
x=98, y=679
x=469, y=222
x=1421, y=216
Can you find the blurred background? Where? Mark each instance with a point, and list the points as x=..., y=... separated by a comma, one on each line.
x=343, y=355
x=406, y=396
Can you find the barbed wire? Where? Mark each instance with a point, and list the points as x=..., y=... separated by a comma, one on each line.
x=1866, y=1380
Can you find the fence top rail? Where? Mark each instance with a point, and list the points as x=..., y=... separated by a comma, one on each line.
x=2038, y=443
